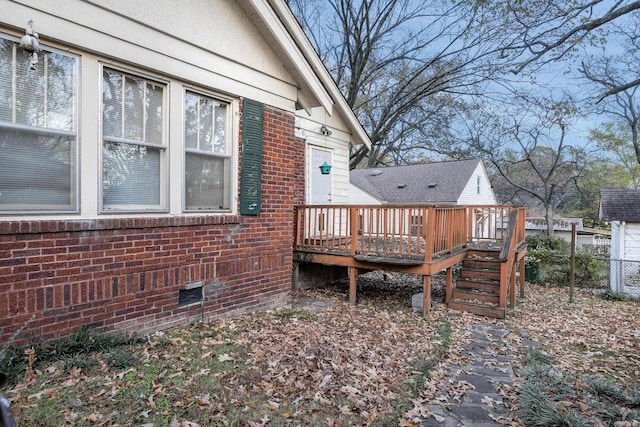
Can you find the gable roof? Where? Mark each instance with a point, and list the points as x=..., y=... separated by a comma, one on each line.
x=276, y=22
x=620, y=204
x=438, y=182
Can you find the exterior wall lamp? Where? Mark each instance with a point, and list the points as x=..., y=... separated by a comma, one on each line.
x=325, y=168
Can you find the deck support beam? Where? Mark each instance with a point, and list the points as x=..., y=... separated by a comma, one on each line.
x=448, y=285
x=426, y=295
x=353, y=287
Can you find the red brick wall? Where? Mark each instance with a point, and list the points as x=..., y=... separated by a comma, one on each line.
x=124, y=274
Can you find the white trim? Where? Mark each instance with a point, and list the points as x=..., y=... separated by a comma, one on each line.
x=313, y=71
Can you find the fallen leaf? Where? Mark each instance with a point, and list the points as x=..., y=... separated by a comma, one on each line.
x=224, y=358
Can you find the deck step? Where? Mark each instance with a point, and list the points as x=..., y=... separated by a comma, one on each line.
x=487, y=255
x=479, y=309
x=479, y=274
x=480, y=263
x=479, y=285
x=477, y=289
x=474, y=295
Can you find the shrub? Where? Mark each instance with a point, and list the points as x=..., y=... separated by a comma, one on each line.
x=550, y=255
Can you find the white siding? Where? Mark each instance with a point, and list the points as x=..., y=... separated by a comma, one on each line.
x=625, y=252
x=631, y=241
x=210, y=43
x=474, y=194
x=359, y=197
x=308, y=127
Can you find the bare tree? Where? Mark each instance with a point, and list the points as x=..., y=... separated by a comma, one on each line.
x=526, y=148
x=613, y=76
x=400, y=64
x=539, y=32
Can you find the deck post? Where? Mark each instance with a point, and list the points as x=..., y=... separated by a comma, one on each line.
x=353, y=229
x=504, y=279
x=426, y=295
x=522, y=265
x=449, y=285
x=429, y=227
x=353, y=275
x=512, y=286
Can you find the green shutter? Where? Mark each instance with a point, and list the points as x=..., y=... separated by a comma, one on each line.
x=251, y=172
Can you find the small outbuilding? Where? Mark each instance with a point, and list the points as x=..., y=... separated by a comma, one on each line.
x=621, y=206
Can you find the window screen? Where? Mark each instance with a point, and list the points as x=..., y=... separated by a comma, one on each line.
x=38, y=139
x=208, y=155
x=133, y=150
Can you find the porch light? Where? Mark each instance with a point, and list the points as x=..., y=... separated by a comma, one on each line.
x=30, y=43
x=325, y=168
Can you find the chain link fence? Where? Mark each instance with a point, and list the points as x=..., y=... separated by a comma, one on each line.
x=625, y=276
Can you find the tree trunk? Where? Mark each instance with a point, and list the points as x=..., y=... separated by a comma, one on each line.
x=549, y=219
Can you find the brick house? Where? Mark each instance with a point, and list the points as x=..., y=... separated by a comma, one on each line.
x=150, y=161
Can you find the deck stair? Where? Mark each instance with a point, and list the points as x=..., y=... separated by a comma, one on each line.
x=477, y=289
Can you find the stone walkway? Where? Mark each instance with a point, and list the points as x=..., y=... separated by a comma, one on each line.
x=488, y=371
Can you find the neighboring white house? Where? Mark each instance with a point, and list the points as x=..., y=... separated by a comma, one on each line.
x=458, y=182
x=562, y=229
x=621, y=206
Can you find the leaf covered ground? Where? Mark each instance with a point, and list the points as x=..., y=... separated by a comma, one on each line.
x=378, y=363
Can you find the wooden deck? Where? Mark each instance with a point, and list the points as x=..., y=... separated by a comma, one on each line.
x=422, y=240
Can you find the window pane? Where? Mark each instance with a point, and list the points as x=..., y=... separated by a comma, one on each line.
x=60, y=92
x=131, y=175
x=30, y=90
x=37, y=168
x=206, y=124
x=191, y=121
x=111, y=104
x=206, y=182
x=6, y=77
x=133, y=109
x=36, y=171
x=207, y=175
x=153, y=107
x=220, y=138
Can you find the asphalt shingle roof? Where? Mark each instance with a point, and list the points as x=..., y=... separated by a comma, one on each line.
x=620, y=204
x=438, y=182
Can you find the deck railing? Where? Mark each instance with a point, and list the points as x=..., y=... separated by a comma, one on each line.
x=399, y=230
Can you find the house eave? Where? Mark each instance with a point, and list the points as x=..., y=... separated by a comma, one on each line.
x=316, y=86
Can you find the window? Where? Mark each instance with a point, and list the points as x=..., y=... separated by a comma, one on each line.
x=207, y=171
x=478, y=184
x=38, y=130
x=133, y=143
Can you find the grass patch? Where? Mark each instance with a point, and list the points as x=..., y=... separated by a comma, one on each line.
x=71, y=352
x=551, y=397
x=610, y=295
x=289, y=313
